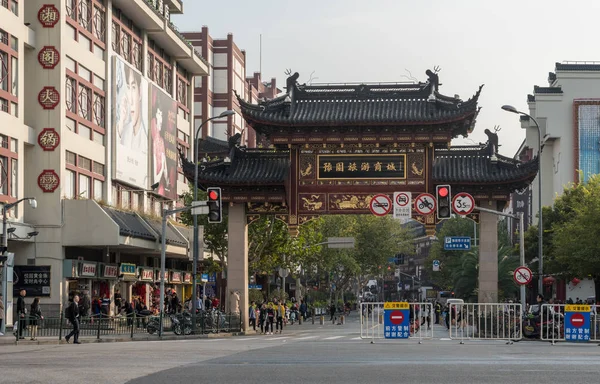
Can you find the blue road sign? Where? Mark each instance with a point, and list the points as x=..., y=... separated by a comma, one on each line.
x=254, y=286
x=396, y=320
x=577, y=322
x=212, y=277
x=204, y=277
x=457, y=243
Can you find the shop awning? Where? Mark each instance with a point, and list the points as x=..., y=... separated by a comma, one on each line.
x=88, y=224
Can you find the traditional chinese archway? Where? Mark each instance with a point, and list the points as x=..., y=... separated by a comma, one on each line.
x=328, y=149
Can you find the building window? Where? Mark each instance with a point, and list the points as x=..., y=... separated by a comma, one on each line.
x=159, y=68
x=8, y=170
x=9, y=73
x=88, y=19
x=12, y=5
x=126, y=39
x=84, y=180
x=86, y=104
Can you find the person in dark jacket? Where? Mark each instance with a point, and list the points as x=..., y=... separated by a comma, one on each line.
x=35, y=315
x=22, y=313
x=73, y=317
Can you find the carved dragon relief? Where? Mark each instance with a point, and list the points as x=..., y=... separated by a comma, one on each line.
x=266, y=208
x=307, y=166
x=312, y=202
x=415, y=170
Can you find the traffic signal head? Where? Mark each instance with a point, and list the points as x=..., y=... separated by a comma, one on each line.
x=444, y=201
x=215, y=208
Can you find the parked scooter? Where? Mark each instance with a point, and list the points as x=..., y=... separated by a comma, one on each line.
x=550, y=325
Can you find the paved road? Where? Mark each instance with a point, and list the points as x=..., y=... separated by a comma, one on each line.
x=306, y=354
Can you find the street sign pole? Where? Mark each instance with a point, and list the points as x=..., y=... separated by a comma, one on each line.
x=522, y=258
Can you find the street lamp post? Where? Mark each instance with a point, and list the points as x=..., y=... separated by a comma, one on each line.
x=512, y=109
x=5, y=209
x=195, y=218
x=163, y=260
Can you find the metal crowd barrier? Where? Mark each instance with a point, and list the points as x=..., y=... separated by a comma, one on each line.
x=557, y=325
x=422, y=319
x=485, y=321
x=100, y=326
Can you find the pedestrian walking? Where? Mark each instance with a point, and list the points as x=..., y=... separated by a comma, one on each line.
x=252, y=315
x=22, y=313
x=280, y=316
x=35, y=316
x=270, y=319
x=262, y=317
x=72, y=314
x=1, y=312
x=332, y=311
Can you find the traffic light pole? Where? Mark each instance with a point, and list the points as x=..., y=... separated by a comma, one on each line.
x=521, y=244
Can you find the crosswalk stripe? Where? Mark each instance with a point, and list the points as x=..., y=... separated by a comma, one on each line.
x=333, y=337
x=356, y=338
x=306, y=337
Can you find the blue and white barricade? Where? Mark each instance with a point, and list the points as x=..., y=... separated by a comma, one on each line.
x=396, y=320
x=484, y=321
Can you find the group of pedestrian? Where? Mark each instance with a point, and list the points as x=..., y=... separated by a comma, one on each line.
x=28, y=319
x=272, y=313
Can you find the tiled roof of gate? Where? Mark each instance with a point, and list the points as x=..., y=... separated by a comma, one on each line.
x=359, y=104
x=248, y=166
x=475, y=165
x=577, y=67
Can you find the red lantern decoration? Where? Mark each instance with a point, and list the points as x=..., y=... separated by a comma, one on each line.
x=549, y=280
x=575, y=281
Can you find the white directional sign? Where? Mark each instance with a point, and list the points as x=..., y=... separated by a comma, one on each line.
x=436, y=265
x=463, y=203
x=522, y=275
x=380, y=205
x=402, y=208
x=425, y=203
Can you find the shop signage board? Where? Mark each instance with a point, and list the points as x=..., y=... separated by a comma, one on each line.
x=35, y=280
x=396, y=320
x=147, y=274
x=127, y=269
x=204, y=278
x=175, y=277
x=88, y=270
x=187, y=278
x=111, y=271
x=577, y=323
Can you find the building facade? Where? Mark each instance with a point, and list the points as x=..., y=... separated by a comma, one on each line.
x=96, y=97
x=568, y=112
x=217, y=92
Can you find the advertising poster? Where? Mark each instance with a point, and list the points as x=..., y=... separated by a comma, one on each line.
x=130, y=122
x=35, y=280
x=164, y=156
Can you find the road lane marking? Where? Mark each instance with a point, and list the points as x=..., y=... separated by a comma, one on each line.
x=306, y=337
x=333, y=337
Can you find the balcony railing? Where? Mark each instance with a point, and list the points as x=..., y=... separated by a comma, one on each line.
x=162, y=10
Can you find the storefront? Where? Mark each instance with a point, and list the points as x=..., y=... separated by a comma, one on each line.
x=128, y=277
x=142, y=290
x=187, y=286
x=80, y=276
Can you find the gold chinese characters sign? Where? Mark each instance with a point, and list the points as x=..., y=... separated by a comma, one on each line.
x=48, y=139
x=48, y=181
x=48, y=15
x=48, y=98
x=351, y=167
x=48, y=57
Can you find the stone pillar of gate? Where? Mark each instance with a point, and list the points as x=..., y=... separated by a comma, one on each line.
x=237, y=261
x=488, y=254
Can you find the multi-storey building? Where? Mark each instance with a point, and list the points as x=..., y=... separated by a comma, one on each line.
x=215, y=93
x=96, y=97
x=568, y=113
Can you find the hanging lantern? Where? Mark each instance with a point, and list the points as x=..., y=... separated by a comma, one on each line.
x=575, y=281
x=549, y=280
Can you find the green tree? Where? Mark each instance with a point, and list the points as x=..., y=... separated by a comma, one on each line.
x=449, y=260
x=576, y=229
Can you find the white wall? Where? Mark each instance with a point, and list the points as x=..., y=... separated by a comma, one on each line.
x=583, y=290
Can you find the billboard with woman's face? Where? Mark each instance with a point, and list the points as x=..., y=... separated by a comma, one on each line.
x=163, y=131
x=130, y=123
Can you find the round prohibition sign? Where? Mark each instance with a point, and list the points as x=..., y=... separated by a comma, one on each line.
x=425, y=203
x=396, y=317
x=522, y=275
x=380, y=205
x=402, y=199
x=463, y=203
x=577, y=320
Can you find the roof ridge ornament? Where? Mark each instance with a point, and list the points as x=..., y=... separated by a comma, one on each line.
x=434, y=82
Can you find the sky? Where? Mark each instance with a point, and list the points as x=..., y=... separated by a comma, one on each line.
x=508, y=45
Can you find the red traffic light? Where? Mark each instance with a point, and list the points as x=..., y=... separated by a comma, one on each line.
x=443, y=192
x=213, y=195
